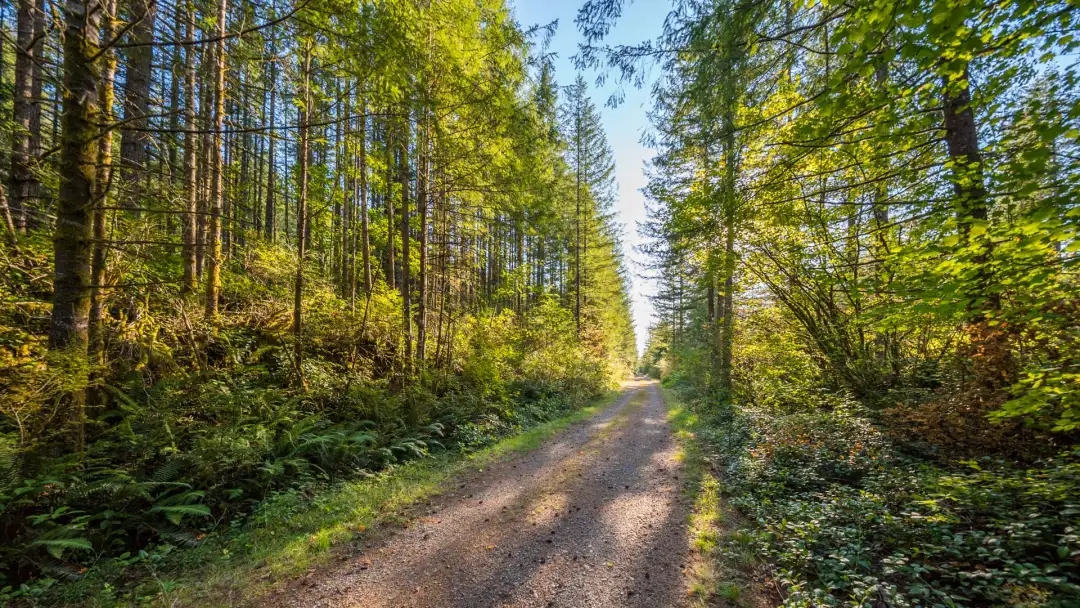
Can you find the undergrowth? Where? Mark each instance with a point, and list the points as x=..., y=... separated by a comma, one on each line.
x=845, y=517
x=210, y=440
x=297, y=529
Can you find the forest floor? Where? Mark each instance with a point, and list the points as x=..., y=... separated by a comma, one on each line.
x=596, y=516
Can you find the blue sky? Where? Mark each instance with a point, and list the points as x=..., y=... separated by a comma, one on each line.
x=641, y=20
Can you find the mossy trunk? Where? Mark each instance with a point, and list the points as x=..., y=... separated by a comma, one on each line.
x=73, y=237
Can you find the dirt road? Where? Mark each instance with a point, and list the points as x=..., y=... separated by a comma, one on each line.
x=591, y=518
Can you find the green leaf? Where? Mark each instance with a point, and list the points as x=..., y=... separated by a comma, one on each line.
x=56, y=546
x=175, y=513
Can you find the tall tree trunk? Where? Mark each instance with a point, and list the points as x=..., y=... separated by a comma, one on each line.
x=72, y=239
x=365, y=238
x=388, y=202
x=213, y=257
x=422, y=199
x=972, y=203
x=338, y=223
x=989, y=345
x=36, y=95
x=301, y=212
x=175, y=79
x=406, y=280
x=257, y=205
x=23, y=106
x=191, y=186
x=206, y=105
x=5, y=207
x=102, y=183
x=225, y=192
x=134, y=139
x=729, y=206
x=348, y=182
x=270, y=220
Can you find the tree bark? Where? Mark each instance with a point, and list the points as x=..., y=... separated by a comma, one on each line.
x=988, y=345
x=969, y=185
x=22, y=109
x=36, y=95
x=78, y=163
x=191, y=186
x=72, y=239
x=577, y=222
x=213, y=255
x=301, y=213
x=270, y=219
x=422, y=199
x=389, y=204
x=134, y=139
x=103, y=181
x=206, y=105
x=406, y=282
x=364, y=228
x=5, y=211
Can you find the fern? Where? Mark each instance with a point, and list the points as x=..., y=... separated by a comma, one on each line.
x=55, y=546
x=175, y=507
x=175, y=513
x=167, y=471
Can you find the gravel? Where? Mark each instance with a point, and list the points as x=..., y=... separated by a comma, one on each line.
x=591, y=518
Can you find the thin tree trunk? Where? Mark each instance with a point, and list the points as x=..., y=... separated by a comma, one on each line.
x=270, y=220
x=191, y=191
x=577, y=226
x=206, y=105
x=103, y=181
x=301, y=213
x=175, y=78
x=5, y=211
x=338, y=227
x=22, y=104
x=389, y=204
x=406, y=282
x=364, y=229
x=422, y=199
x=213, y=267
x=36, y=148
x=5, y=207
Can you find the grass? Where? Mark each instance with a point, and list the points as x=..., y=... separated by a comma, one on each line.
x=719, y=570
x=292, y=533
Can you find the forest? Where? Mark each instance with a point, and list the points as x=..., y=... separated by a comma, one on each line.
x=251, y=249
x=863, y=225
x=272, y=270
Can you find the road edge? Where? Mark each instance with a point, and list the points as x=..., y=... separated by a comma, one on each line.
x=373, y=507
x=718, y=569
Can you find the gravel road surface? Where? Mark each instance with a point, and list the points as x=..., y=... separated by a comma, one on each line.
x=591, y=518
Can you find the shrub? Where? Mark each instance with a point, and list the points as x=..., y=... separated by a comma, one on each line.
x=845, y=518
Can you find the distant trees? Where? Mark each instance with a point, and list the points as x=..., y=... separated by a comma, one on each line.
x=593, y=166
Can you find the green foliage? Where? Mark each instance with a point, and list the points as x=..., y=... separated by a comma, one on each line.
x=171, y=459
x=169, y=427
x=845, y=518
